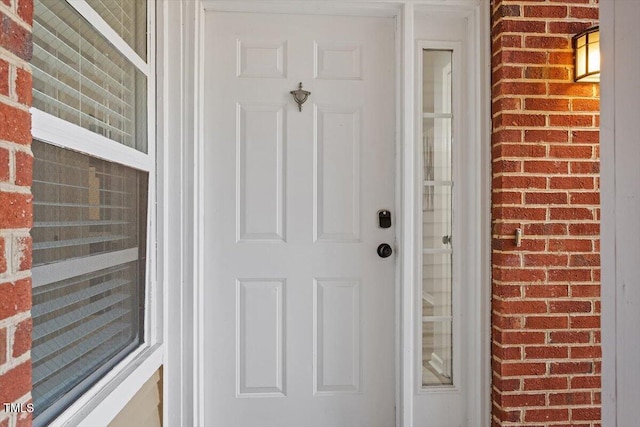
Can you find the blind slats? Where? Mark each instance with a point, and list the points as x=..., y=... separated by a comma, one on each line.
x=78, y=242
x=68, y=319
x=64, y=360
x=68, y=299
x=47, y=348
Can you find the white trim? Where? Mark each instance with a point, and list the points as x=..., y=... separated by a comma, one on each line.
x=83, y=8
x=115, y=390
x=407, y=242
x=56, y=131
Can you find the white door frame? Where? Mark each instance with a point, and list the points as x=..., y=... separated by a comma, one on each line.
x=181, y=134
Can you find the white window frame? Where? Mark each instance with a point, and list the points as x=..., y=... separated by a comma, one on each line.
x=106, y=398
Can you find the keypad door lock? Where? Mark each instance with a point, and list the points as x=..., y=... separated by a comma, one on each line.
x=384, y=218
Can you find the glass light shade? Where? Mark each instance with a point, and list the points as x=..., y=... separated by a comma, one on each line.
x=587, y=55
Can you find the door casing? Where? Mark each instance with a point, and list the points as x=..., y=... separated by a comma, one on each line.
x=476, y=14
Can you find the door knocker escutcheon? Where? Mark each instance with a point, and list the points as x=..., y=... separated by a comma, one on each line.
x=300, y=96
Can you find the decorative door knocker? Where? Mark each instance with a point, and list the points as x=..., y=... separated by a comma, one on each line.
x=300, y=96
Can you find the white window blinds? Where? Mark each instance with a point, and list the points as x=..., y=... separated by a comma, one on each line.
x=80, y=77
x=89, y=259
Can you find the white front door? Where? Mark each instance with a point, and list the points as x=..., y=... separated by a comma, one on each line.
x=299, y=306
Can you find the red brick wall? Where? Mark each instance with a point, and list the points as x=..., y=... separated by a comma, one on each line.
x=546, y=352
x=15, y=209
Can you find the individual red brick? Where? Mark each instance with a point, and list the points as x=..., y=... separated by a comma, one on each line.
x=24, y=86
x=567, y=27
x=520, y=275
x=545, y=229
x=3, y=346
x=506, y=353
x=571, y=213
x=522, y=88
x=546, y=322
x=4, y=78
x=15, y=38
x=572, y=89
x=507, y=291
x=584, y=229
x=591, y=105
x=506, y=135
x=585, y=291
x=546, y=291
x=585, y=260
x=506, y=384
x=571, y=367
x=547, y=42
x=572, y=183
x=506, y=198
x=547, y=72
x=538, y=11
x=15, y=383
x=5, y=173
x=546, y=135
x=573, y=245
x=546, y=383
x=571, y=151
x=24, y=168
x=521, y=120
x=546, y=198
x=542, y=415
x=592, y=167
x=15, y=210
x=510, y=369
x=25, y=11
x=588, y=382
x=571, y=120
x=515, y=337
x=570, y=275
x=547, y=104
x=512, y=26
x=520, y=150
x=22, y=338
x=570, y=307
x=23, y=248
x=546, y=352
x=585, y=136
x=15, y=124
x=522, y=213
x=586, y=414
x=3, y=256
x=585, y=198
x=16, y=298
x=569, y=337
x=587, y=352
x=590, y=322
x=570, y=398
x=584, y=13
x=506, y=322
x=536, y=260
x=522, y=400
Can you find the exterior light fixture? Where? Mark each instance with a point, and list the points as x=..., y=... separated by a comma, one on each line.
x=586, y=46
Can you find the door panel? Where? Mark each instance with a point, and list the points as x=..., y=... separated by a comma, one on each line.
x=299, y=319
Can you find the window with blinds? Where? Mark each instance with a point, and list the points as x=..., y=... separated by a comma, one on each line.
x=80, y=77
x=90, y=213
x=89, y=265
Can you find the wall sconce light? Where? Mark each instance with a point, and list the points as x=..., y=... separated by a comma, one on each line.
x=586, y=46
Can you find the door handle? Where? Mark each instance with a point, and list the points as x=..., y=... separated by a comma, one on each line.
x=384, y=250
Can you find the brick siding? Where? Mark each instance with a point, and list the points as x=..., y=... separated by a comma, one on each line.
x=546, y=354
x=15, y=209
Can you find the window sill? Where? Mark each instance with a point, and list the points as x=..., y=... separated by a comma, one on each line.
x=100, y=405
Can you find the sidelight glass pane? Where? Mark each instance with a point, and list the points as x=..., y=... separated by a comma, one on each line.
x=437, y=219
